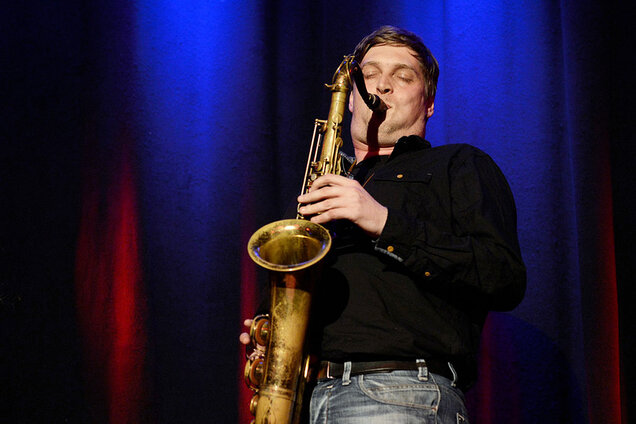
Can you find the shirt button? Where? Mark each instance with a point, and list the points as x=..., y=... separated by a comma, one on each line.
x=390, y=248
x=427, y=274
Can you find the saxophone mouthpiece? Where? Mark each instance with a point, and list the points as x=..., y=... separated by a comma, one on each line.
x=376, y=104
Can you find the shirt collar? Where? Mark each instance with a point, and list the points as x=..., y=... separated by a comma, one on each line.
x=409, y=143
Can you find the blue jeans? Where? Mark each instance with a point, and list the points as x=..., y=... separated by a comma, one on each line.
x=398, y=397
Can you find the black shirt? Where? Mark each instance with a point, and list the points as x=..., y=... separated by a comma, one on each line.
x=447, y=255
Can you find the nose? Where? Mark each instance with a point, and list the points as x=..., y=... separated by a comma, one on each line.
x=384, y=85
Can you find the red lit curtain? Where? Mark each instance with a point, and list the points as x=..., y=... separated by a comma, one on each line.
x=193, y=120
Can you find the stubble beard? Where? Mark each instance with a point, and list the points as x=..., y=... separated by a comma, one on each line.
x=383, y=133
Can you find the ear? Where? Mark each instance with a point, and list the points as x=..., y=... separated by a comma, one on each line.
x=430, y=109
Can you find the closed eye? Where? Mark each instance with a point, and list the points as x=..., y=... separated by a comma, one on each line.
x=368, y=75
x=405, y=76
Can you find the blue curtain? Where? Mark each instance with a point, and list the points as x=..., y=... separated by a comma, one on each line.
x=195, y=118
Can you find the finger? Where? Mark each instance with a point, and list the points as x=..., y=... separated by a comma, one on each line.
x=314, y=208
x=330, y=215
x=245, y=338
x=322, y=218
x=335, y=199
x=330, y=180
x=320, y=195
x=247, y=323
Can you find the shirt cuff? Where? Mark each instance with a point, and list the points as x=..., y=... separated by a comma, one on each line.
x=398, y=236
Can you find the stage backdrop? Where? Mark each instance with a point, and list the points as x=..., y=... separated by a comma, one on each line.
x=147, y=140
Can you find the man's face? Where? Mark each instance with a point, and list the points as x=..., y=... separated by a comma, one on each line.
x=394, y=74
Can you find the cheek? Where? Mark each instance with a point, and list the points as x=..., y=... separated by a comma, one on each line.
x=416, y=96
x=418, y=104
x=359, y=109
x=355, y=102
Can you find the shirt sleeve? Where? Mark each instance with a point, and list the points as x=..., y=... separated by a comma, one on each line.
x=471, y=248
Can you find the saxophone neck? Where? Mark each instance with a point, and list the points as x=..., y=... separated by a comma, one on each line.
x=324, y=153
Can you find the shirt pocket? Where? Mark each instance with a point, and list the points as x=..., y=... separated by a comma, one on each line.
x=403, y=189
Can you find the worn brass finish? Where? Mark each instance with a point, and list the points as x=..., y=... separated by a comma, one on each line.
x=292, y=250
x=324, y=152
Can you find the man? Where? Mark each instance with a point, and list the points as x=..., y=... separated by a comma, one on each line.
x=433, y=247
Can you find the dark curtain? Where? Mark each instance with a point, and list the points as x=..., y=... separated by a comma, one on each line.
x=144, y=142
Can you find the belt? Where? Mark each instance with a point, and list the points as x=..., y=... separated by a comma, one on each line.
x=330, y=370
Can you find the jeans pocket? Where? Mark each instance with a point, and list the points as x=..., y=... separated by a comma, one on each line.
x=401, y=389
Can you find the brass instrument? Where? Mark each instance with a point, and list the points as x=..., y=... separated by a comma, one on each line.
x=292, y=249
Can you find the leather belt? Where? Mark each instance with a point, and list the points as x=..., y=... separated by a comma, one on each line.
x=330, y=370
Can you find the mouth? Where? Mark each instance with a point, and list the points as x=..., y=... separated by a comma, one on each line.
x=382, y=107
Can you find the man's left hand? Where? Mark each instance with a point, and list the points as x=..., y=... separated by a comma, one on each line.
x=334, y=197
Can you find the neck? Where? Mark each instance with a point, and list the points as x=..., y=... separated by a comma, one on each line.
x=369, y=145
x=363, y=151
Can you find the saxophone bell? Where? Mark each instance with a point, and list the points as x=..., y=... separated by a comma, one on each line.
x=292, y=250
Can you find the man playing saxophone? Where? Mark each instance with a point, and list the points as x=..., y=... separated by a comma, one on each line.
x=428, y=246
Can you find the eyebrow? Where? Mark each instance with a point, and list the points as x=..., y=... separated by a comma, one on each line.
x=396, y=67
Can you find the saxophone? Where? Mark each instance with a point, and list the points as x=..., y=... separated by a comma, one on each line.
x=278, y=366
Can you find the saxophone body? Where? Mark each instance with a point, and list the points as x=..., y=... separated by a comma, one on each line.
x=292, y=250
